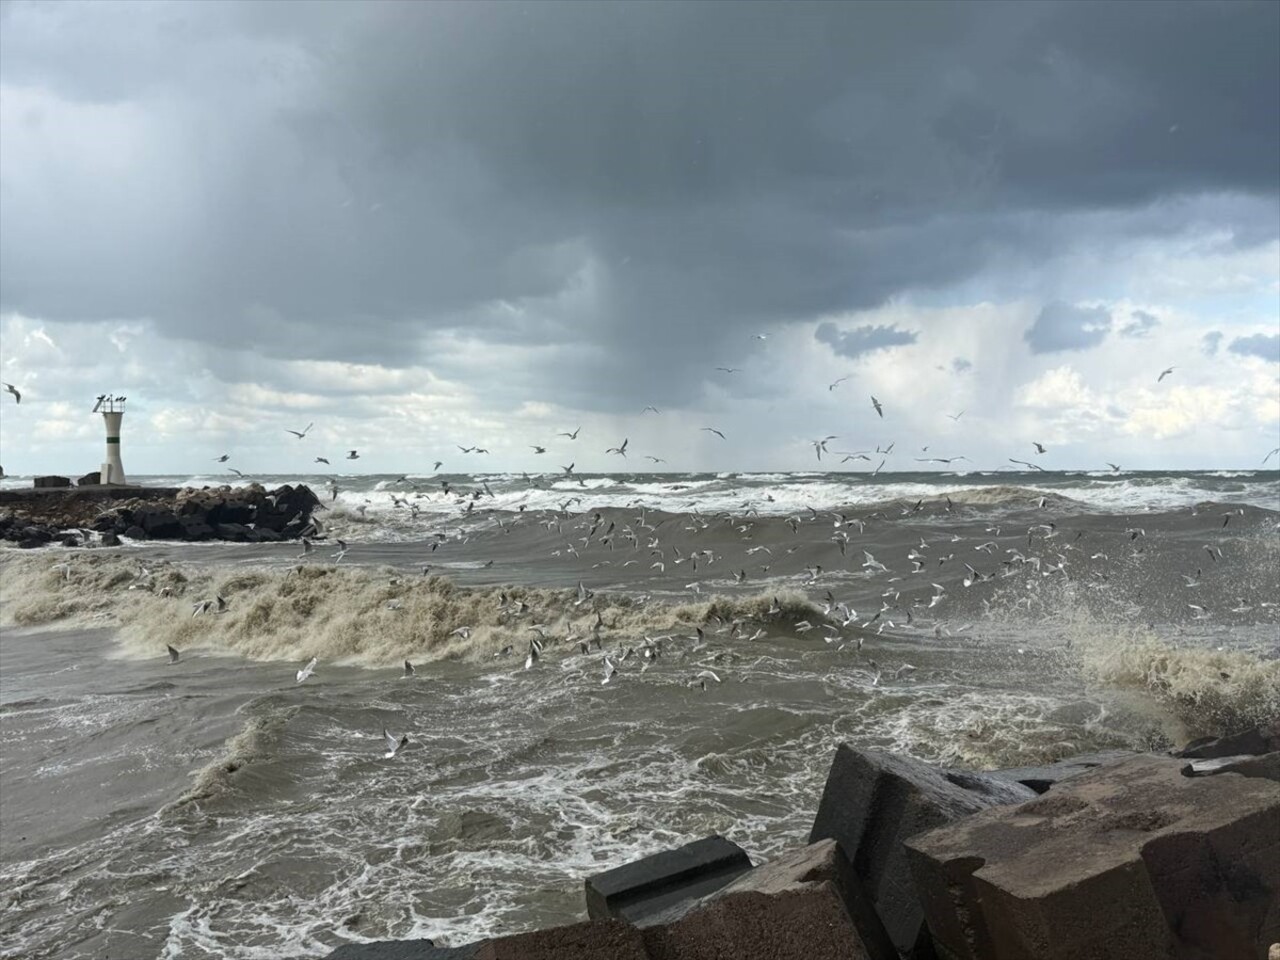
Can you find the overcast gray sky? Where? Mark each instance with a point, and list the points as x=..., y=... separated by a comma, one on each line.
x=429, y=224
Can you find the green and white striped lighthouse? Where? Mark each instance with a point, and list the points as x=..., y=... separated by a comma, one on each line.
x=112, y=409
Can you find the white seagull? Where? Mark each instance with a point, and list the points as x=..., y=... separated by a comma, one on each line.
x=393, y=743
x=879, y=409
x=1164, y=373
x=309, y=669
x=301, y=433
x=14, y=390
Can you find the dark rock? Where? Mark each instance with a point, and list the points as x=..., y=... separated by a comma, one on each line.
x=233, y=511
x=294, y=502
x=592, y=940
x=873, y=801
x=404, y=950
x=30, y=543
x=1040, y=779
x=160, y=523
x=806, y=904
x=135, y=533
x=70, y=540
x=1132, y=860
x=51, y=481
x=90, y=479
x=267, y=536
x=1258, y=740
x=268, y=519
x=109, y=539
x=237, y=532
x=1267, y=766
x=654, y=883
x=195, y=529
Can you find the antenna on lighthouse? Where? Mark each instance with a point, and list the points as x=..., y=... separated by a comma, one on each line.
x=112, y=410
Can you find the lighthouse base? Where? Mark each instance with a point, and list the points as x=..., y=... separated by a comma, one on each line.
x=111, y=473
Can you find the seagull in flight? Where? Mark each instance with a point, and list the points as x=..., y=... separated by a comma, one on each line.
x=1039, y=447
x=1029, y=466
x=649, y=410
x=14, y=390
x=173, y=653
x=820, y=446
x=1271, y=454
x=309, y=669
x=832, y=386
x=1164, y=373
x=654, y=459
x=409, y=670
x=1115, y=467
x=879, y=409
x=724, y=369
x=622, y=450
x=393, y=744
x=322, y=460
x=222, y=459
x=715, y=431
x=235, y=471
x=571, y=436
x=537, y=449
x=955, y=416
x=353, y=455
x=303, y=432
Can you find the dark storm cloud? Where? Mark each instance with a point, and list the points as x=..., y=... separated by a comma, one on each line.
x=643, y=184
x=1259, y=345
x=1141, y=325
x=862, y=340
x=1062, y=326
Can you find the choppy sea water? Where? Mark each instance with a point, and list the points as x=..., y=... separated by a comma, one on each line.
x=217, y=808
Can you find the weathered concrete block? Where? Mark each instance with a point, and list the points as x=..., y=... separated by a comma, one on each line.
x=1041, y=778
x=1267, y=766
x=51, y=481
x=1131, y=861
x=652, y=884
x=874, y=801
x=805, y=904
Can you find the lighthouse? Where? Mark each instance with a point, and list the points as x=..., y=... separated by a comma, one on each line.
x=112, y=410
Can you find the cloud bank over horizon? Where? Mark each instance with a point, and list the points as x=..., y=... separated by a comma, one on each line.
x=431, y=225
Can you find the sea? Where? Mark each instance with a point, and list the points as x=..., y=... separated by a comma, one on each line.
x=604, y=666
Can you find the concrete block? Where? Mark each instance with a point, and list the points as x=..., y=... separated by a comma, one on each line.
x=805, y=904
x=1255, y=741
x=51, y=481
x=652, y=884
x=874, y=801
x=1132, y=861
x=1041, y=778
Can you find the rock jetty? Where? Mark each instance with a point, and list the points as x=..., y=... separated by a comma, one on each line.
x=1115, y=856
x=80, y=516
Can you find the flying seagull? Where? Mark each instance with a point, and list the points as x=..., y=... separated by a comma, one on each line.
x=1039, y=447
x=621, y=451
x=537, y=449
x=14, y=390
x=235, y=471
x=1271, y=454
x=409, y=670
x=393, y=744
x=571, y=436
x=353, y=455
x=649, y=410
x=222, y=459
x=730, y=369
x=1029, y=466
x=832, y=386
x=1164, y=373
x=955, y=416
x=303, y=432
x=820, y=446
x=879, y=409
x=173, y=653
x=322, y=460
x=715, y=431
x=308, y=669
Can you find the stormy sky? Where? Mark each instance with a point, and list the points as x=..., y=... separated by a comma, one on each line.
x=421, y=225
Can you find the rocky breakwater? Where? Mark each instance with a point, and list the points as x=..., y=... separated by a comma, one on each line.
x=82, y=517
x=1115, y=856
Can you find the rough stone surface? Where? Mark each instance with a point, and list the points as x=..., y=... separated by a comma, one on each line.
x=874, y=801
x=805, y=904
x=652, y=884
x=591, y=940
x=1267, y=766
x=1041, y=778
x=1131, y=861
x=51, y=481
x=90, y=479
x=1258, y=740
x=404, y=950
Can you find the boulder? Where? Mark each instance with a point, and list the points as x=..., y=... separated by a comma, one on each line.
x=1132, y=860
x=1040, y=779
x=804, y=905
x=160, y=523
x=194, y=528
x=109, y=539
x=651, y=884
x=90, y=479
x=50, y=481
x=1258, y=740
x=135, y=532
x=233, y=531
x=874, y=801
x=591, y=940
x=1267, y=765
